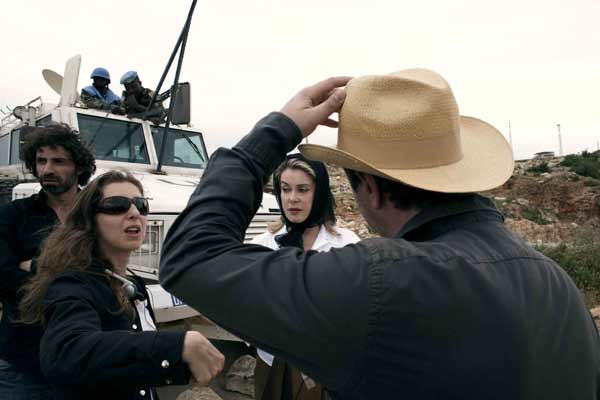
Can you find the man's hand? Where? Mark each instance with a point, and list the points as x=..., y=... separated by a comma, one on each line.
x=203, y=359
x=313, y=106
x=130, y=101
x=25, y=265
x=117, y=110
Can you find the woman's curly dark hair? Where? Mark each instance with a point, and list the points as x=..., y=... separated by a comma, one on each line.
x=55, y=135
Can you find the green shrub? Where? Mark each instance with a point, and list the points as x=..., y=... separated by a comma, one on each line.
x=580, y=258
x=535, y=215
x=590, y=182
x=584, y=164
x=540, y=168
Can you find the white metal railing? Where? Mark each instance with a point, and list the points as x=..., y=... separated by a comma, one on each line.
x=10, y=121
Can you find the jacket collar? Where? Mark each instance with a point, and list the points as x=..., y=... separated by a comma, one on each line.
x=40, y=202
x=441, y=218
x=324, y=237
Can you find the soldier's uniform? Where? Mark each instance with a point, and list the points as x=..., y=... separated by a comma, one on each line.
x=138, y=103
x=91, y=97
x=93, y=101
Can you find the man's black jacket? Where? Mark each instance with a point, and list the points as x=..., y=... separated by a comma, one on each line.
x=453, y=307
x=24, y=224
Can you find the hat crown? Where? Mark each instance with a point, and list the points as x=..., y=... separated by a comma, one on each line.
x=100, y=72
x=128, y=77
x=406, y=127
x=407, y=119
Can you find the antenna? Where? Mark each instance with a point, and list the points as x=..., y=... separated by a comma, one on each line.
x=179, y=46
x=560, y=146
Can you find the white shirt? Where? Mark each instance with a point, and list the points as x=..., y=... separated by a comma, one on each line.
x=325, y=241
x=145, y=317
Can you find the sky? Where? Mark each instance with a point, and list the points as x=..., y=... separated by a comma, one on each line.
x=534, y=63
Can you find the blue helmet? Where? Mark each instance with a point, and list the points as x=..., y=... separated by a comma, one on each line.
x=128, y=77
x=100, y=73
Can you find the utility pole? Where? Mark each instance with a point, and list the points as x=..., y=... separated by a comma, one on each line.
x=560, y=146
x=510, y=138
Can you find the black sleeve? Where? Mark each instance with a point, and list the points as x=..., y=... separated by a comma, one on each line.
x=309, y=308
x=75, y=350
x=11, y=276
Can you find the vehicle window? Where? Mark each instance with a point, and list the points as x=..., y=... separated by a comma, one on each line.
x=114, y=140
x=183, y=148
x=15, y=146
x=43, y=121
x=4, y=150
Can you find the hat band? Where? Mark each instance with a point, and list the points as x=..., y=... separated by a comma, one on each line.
x=403, y=154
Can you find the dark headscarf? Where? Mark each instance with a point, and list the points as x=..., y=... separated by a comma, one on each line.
x=322, y=205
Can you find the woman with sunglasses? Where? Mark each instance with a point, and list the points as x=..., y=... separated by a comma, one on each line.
x=100, y=340
x=302, y=191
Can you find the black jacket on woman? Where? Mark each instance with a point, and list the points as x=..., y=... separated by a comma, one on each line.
x=92, y=349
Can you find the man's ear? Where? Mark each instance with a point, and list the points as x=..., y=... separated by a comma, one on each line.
x=374, y=195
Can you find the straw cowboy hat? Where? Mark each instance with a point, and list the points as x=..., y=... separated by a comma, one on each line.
x=406, y=127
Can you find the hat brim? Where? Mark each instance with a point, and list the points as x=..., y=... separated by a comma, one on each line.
x=486, y=164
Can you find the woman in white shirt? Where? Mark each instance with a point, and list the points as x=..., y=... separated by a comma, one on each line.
x=307, y=221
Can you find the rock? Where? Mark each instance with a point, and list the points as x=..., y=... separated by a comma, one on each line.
x=500, y=198
x=523, y=202
x=199, y=393
x=240, y=377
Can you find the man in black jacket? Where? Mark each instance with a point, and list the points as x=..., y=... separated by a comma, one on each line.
x=58, y=159
x=447, y=304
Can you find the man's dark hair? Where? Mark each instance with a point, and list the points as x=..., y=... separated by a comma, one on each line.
x=403, y=196
x=54, y=135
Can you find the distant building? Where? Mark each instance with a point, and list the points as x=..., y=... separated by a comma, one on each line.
x=544, y=154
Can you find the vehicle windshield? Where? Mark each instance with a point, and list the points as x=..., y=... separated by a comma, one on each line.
x=182, y=149
x=12, y=154
x=114, y=140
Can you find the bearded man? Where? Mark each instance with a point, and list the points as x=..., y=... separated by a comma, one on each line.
x=60, y=161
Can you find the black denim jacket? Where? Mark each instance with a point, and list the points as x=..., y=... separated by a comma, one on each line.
x=92, y=349
x=454, y=307
x=24, y=224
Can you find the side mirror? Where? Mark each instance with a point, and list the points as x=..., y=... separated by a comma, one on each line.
x=181, y=108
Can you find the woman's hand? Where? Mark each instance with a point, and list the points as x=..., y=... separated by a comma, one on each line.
x=203, y=359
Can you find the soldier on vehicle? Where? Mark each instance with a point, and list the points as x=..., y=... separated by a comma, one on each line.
x=58, y=159
x=136, y=98
x=98, y=95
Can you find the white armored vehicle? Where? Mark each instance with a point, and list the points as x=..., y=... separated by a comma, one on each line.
x=133, y=144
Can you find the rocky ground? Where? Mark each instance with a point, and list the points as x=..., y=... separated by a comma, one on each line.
x=544, y=208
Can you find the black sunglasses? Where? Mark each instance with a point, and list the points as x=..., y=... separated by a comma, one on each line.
x=120, y=205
